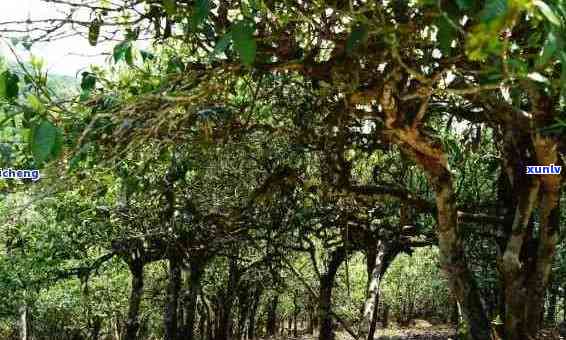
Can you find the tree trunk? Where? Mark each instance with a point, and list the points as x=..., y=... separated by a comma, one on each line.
x=455, y=315
x=253, y=313
x=202, y=322
x=133, y=322
x=295, y=313
x=326, y=331
x=193, y=289
x=430, y=156
x=310, y=312
x=453, y=260
x=272, y=316
x=116, y=328
x=96, y=328
x=206, y=315
x=225, y=322
x=375, y=266
x=209, y=319
x=173, y=288
x=527, y=259
x=243, y=309
x=24, y=322
x=549, y=212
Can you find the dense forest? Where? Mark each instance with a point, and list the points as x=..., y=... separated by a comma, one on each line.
x=291, y=169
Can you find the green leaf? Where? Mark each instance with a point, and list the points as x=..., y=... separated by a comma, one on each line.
x=222, y=44
x=464, y=4
x=88, y=81
x=563, y=76
x=121, y=50
x=200, y=13
x=9, y=85
x=94, y=32
x=446, y=34
x=358, y=36
x=494, y=9
x=175, y=65
x=547, y=12
x=129, y=56
x=44, y=140
x=244, y=42
x=147, y=55
x=549, y=49
x=35, y=103
x=170, y=6
x=518, y=67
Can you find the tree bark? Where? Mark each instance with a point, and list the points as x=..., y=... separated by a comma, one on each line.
x=376, y=255
x=196, y=268
x=272, y=315
x=430, y=156
x=225, y=322
x=453, y=259
x=96, y=328
x=311, y=321
x=326, y=331
x=133, y=322
x=253, y=313
x=24, y=322
x=295, y=313
x=243, y=309
x=527, y=259
x=173, y=288
x=209, y=319
x=549, y=212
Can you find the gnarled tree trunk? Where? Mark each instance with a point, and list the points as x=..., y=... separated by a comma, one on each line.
x=527, y=259
x=379, y=257
x=375, y=257
x=430, y=156
x=133, y=322
x=326, y=331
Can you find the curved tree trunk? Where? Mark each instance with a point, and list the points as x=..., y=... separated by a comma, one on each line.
x=326, y=331
x=133, y=322
x=430, y=156
x=375, y=257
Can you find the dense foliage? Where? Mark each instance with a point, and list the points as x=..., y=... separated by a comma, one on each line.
x=281, y=167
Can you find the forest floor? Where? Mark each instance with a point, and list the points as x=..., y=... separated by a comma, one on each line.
x=429, y=333
x=438, y=332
